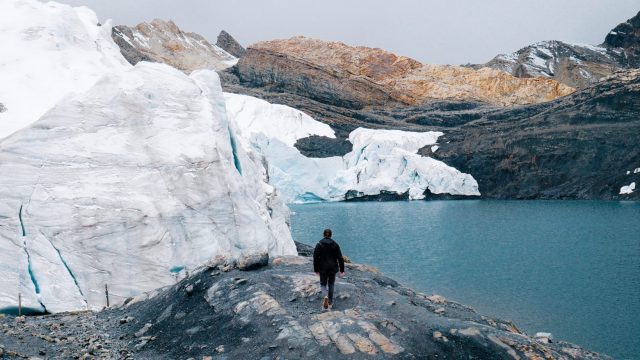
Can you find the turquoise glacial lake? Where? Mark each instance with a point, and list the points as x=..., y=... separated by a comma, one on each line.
x=571, y=268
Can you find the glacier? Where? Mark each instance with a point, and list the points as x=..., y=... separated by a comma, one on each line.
x=49, y=51
x=381, y=160
x=124, y=182
x=133, y=175
x=114, y=174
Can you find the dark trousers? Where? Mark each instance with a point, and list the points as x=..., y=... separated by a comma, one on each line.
x=327, y=282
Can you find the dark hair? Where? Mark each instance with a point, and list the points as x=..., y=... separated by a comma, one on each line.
x=327, y=232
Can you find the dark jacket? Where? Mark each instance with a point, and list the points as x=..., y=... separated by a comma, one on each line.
x=327, y=257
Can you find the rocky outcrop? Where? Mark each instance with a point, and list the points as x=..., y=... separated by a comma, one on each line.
x=356, y=77
x=274, y=312
x=624, y=41
x=579, y=147
x=575, y=65
x=162, y=41
x=227, y=43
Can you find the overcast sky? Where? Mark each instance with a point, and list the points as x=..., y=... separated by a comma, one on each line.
x=432, y=31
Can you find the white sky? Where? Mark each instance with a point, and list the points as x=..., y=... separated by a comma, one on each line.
x=432, y=31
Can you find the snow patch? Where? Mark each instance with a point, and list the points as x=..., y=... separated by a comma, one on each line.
x=125, y=181
x=628, y=189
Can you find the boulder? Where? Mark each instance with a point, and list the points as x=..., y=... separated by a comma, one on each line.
x=253, y=262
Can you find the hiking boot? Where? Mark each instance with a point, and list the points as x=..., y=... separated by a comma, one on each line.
x=325, y=303
x=330, y=306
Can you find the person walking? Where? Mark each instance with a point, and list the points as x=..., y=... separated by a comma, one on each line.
x=327, y=261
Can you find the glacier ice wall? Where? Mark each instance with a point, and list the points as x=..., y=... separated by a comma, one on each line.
x=124, y=183
x=381, y=160
x=49, y=50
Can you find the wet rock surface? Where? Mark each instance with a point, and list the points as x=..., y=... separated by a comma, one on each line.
x=274, y=312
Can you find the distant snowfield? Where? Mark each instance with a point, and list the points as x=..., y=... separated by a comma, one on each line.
x=381, y=160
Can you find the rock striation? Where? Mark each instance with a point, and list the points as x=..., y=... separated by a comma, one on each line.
x=274, y=311
x=356, y=77
x=227, y=43
x=164, y=42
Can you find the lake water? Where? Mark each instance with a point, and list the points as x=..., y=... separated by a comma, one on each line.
x=571, y=268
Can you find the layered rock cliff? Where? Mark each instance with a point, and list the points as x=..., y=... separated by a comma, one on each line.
x=164, y=42
x=356, y=77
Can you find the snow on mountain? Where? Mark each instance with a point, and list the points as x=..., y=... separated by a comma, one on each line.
x=576, y=65
x=49, y=50
x=381, y=160
x=125, y=184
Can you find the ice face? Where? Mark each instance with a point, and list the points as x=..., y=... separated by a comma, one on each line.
x=381, y=160
x=49, y=50
x=254, y=117
x=125, y=183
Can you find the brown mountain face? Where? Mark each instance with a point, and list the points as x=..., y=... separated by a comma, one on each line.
x=164, y=42
x=356, y=77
